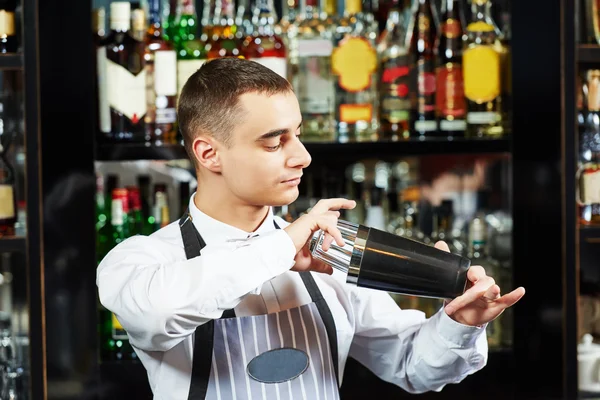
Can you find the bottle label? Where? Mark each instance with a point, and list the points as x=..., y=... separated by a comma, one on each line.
x=453, y=126
x=165, y=73
x=118, y=333
x=185, y=69
x=166, y=115
x=483, y=117
x=103, y=105
x=275, y=64
x=314, y=85
x=426, y=86
x=425, y=126
x=450, y=99
x=451, y=28
x=481, y=72
x=589, y=185
x=354, y=61
x=395, y=89
x=126, y=91
x=314, y=48
x=352, y=113
x=7, y=205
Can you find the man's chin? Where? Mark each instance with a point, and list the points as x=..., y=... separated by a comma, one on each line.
x=284, y=199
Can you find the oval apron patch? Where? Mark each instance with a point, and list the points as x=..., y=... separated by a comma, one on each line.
x=278, y=365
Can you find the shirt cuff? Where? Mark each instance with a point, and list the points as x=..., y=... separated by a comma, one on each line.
x=278, y=252
x=462, y=336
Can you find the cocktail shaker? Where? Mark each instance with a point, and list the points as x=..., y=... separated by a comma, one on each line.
x=376, y=259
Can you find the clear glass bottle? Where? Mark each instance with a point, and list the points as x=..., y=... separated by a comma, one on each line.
x=161, y=74
x=394, y=77
x=451, y=106
x=422, y=44
x=191, y=50
x=8, y=201
x=482, y=74
x=226, y=40
x=121, y=80
x=354, y=64
x=265, y=46
x=588, y=175
x=312, y=79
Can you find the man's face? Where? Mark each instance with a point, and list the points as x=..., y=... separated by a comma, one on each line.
x=265, y=160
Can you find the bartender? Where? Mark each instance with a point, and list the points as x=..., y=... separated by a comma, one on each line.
x=227, y=303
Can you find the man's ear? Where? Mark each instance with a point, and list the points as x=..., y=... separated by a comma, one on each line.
x=206, y=153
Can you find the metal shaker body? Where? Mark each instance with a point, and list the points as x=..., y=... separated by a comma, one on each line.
x=376, y=259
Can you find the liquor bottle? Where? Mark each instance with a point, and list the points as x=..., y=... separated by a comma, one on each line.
x=161, y=203
x=168, y=19
x=503, y=45
x=311, y=76
x=481, y=73
x=8, y=37
x=98, y=35
x=191, y=50
x=423, y=79
x=394, y=77
x=143, y=182
x=451, y=106
x=138, y=24
x=264, y=46
x=354, y=64
x=8, y=201
x=121, y=62
x=243, y=18
x=588, y=175
x=161, y=73
x=289, y=14
x=98, y=25
x=226, y=40
x=134, y=215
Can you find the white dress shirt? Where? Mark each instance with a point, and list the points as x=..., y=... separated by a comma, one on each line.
x=160, y=298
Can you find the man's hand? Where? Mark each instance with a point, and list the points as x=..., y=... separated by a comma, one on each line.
x=323, y=216
x=481, y=302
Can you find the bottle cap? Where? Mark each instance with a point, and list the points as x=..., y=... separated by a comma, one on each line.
x=7, y=23
x=120, y=14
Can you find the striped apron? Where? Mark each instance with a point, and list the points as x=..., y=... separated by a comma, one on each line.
x=291, y=354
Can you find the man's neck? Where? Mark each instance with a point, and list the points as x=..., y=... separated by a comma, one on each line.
x=242, y=216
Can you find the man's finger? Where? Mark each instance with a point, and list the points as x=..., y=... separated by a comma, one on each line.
x=327, y=242
x=472, y=294
x=333, y=204
x=475, y=273
x=511, y=298
x=320, y=266
x=442, y=246
x=493, y=293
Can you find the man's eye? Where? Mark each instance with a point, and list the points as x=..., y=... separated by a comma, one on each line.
x=273, y=148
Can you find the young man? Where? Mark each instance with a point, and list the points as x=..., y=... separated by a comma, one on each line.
x=227, y=303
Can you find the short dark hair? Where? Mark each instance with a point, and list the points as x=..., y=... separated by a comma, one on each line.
x=209, y=100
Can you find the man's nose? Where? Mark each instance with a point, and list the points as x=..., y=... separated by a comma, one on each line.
x=299, y=157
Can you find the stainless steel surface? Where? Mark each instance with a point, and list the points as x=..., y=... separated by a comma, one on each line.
x=339, y=257
x=357, y=254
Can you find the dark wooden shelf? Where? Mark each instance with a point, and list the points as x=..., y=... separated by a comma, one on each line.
x=341, y=151
x=588, y=53
x=11, y=61
x=589, y=395
x=13, y=244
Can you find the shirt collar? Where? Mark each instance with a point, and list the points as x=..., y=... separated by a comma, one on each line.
x=215, y=231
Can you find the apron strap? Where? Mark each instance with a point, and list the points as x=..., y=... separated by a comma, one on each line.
x=326, y=316
x=325, y=312
x=204, y=334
